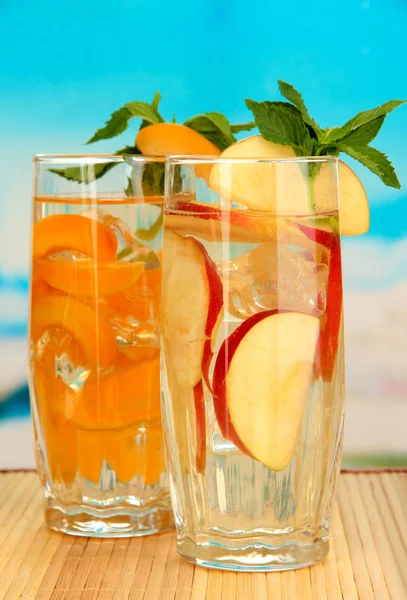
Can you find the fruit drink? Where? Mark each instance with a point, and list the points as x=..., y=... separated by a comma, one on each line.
x=95, y=358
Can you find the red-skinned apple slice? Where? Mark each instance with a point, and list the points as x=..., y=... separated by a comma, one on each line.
x=192, y=304
x=214, y=223
x=200, y=427
x=215, y=311
x=261, y=382
x=329, y=334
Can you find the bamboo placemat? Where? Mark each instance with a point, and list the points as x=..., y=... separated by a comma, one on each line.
x=368, y=558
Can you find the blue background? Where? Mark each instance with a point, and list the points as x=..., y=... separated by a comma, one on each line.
x=65, y=67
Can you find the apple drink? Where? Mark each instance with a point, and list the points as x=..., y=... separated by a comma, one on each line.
x=94, y=346
x=253, y=359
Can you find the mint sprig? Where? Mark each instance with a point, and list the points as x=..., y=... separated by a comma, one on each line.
x=215, y=127
x=242, y=127
x=374, y=160
x=84, y=174
x=362, y=118
x=295, y=127
x=294, y=96
x=119, y=120
x=89, y=173
x=282, y=123
x=212, y=125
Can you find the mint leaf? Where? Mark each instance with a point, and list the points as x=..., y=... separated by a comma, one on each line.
x=374, y=160
x=282, y=123
x=85, y=174
x=215, y=127
x=119, y=120
x=156, y=100
x=145, y=111
x=363, y=135
x=155, y=103
x=147, y=235
x=294, y=96
x=117, y=123
x=128, y=150
x=292, y=125
x=153, y=178
x=362, y=118
x=242, y=127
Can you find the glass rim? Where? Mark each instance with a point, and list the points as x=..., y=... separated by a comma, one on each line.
x=195, y=159
x=95, y=158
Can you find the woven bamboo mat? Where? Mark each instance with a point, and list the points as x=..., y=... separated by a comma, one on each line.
x=368, y=557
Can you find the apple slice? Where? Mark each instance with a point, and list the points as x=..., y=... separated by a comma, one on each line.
x=262, y=378
x=218, y=223
x=200, y=420
x=354, y=214
x=284, y=186
x=261, y=186
x=330, y=329
x=191, y=309
x=192, y=304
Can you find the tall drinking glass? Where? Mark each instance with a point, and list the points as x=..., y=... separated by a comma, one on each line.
x=252, y=358
x=94, y=343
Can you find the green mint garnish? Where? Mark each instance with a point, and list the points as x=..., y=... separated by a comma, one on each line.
x=89, y=173
x=119, y=120
x=147, y=235
x=289, y=92
x=282, y=123
x=242, y=127
x=374, y=160
x=213, y=125
x=84, y=174
x=362, y=118
x=290, y=124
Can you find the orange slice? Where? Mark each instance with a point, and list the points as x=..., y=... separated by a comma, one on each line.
x=138, y=353
x=39, y=289
x=91, y=330
x=149, y=461
x=57, y=233
x=141, y=300
x=87, y=278
x=137, y=454
x=59, y=434
x=131, y=394
x=129, y=453
x=162, y=139
x=61, y=445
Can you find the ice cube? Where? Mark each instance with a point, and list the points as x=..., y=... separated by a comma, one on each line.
x=274, y=276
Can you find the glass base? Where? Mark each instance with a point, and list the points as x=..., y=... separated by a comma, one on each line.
x=109, y=522
x=254, y=555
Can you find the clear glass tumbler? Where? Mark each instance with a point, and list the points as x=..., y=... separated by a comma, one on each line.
x=253, y=378
x=94, y=343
